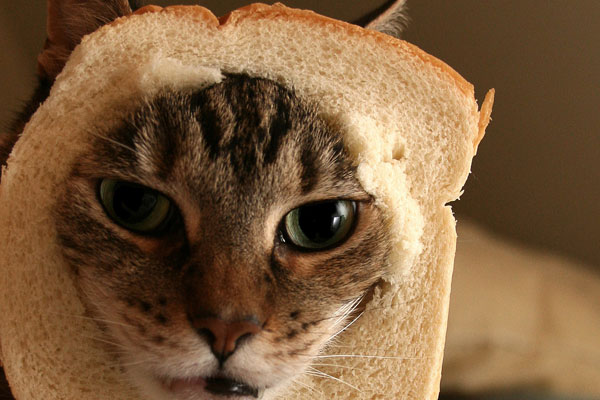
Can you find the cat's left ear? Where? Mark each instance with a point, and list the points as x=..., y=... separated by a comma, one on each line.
x=68, y=21
x=390, y=18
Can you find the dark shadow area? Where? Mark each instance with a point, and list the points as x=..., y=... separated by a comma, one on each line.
x=5, y=393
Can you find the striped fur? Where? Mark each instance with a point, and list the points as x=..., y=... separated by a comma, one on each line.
x=234, y=158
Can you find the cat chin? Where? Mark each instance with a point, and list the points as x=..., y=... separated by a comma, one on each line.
x=153, y=386
x=191, y=388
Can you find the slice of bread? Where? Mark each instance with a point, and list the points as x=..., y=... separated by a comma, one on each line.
x=412, y=125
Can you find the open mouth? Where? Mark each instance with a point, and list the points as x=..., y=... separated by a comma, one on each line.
x=218, y=386
x=228, y=387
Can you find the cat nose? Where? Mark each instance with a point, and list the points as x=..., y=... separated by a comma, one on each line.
x=224, y=337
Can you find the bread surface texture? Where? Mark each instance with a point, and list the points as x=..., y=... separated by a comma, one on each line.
x=412, y=126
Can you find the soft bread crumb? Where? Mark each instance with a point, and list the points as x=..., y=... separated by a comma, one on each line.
x=164, y=72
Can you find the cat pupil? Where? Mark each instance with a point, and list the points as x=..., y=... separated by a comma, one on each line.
x=133, y=203
x=134, y=206
x=320, y=222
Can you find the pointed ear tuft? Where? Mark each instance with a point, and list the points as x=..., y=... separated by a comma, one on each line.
x=68, y=21
x=390, y=18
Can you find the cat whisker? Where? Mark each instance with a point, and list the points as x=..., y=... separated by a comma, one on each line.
x=308, y=387
x=340, y=318
x=400, y=358
x=336, y=315
x=341, y=346
x=106, y=138
x=344, y=311
x=104, y=340
x=129, y=364
x=346, y=327
x=339, y=366
x=318, y=373
x=95, y=319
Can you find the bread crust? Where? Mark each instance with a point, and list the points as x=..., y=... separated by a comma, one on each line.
x=485, y=116
x=259, y=11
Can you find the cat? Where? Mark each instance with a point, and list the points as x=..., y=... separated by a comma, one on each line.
x=219, y=237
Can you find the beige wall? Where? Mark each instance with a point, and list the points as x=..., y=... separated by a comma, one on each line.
x=537, y=175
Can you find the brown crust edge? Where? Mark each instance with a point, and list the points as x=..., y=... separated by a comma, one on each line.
x=258, y=11
x=484, y=116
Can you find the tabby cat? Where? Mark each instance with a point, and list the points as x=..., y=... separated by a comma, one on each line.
x=218, y=236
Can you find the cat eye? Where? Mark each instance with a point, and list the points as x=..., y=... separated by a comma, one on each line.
x=318, y=226
x=135, y=207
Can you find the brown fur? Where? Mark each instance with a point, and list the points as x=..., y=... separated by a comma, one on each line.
x=233, y=157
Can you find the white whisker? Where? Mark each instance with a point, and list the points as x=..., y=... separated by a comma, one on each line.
x=308, y=387
x=346, y=327
x=107, y=321
x=339, y=366
x=103, y=340
x=373, y=350
x=344, y=311
x=96, y=134
x=316, y=372
x=369, y=356
x=130, y=364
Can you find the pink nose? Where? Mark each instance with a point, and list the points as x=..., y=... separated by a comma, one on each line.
x=224, y=337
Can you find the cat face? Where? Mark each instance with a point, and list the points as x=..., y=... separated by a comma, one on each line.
x=220, y=238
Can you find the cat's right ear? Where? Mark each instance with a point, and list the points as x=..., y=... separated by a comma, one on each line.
x=390, y=18
x=68, y=21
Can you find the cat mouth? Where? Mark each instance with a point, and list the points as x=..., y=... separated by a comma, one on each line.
x=228, y=387
x=217, y=386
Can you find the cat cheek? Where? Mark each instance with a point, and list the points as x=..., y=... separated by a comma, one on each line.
x=277, y=362
x=302, y=267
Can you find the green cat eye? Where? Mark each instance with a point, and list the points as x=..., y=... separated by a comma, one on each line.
x=135, y=207
x=318, y=226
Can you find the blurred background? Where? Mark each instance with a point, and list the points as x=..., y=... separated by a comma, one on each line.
x=536, y=178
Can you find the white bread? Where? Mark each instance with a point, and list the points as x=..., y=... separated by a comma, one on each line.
x=412, y=126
